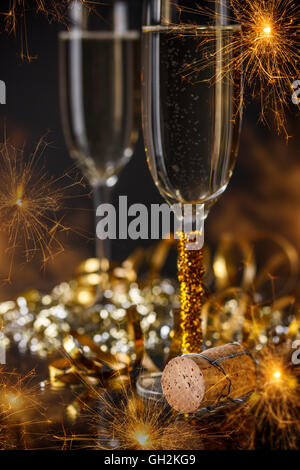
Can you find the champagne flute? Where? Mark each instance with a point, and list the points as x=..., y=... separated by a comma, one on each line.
x=100, y=95
x=191, y=103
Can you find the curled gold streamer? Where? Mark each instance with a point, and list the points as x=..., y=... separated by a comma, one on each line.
x=236, y=263
x=103, y=366
x=261, y=295
x=192, y=295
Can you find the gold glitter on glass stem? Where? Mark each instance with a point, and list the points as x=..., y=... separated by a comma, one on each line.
x=192, y=295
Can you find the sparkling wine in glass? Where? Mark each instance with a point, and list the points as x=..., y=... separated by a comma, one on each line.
x=100, y=95
x=191, y=123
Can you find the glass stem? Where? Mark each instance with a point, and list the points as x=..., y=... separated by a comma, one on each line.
x=190, y=276
x=102, y=195
x=192, y=293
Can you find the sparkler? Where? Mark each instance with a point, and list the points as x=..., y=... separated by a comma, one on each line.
x=14, y=18
x=270, y=53
x=123, y=421
x=267, y=48
x=275, y=402
x=29, y=203
x=19, y=408
x=137, y=425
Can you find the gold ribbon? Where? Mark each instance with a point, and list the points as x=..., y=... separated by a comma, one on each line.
x=236, y=262
x=260, y=299
x=99, y=366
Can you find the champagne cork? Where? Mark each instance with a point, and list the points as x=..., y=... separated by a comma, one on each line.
x=194, y=381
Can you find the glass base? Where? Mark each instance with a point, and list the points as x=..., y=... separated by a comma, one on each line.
x=148, y=386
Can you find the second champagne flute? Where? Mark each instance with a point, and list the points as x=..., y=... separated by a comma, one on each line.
x=100, y=95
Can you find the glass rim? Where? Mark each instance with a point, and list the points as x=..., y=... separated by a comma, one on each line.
x=228, y=27
x=77, y=34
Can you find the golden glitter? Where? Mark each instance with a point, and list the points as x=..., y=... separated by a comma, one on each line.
x=190, y=276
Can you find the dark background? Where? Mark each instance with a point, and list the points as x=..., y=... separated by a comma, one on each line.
x=264, y=193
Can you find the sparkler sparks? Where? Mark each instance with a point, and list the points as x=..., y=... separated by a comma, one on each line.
x=15, y=17
x=267, y=49
x=19, y=408
x=29, y=203
x=278, y=388
x=138, y=426
x=124, y=421
x=275, y=403
x=144, y=425
x=270, y=54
